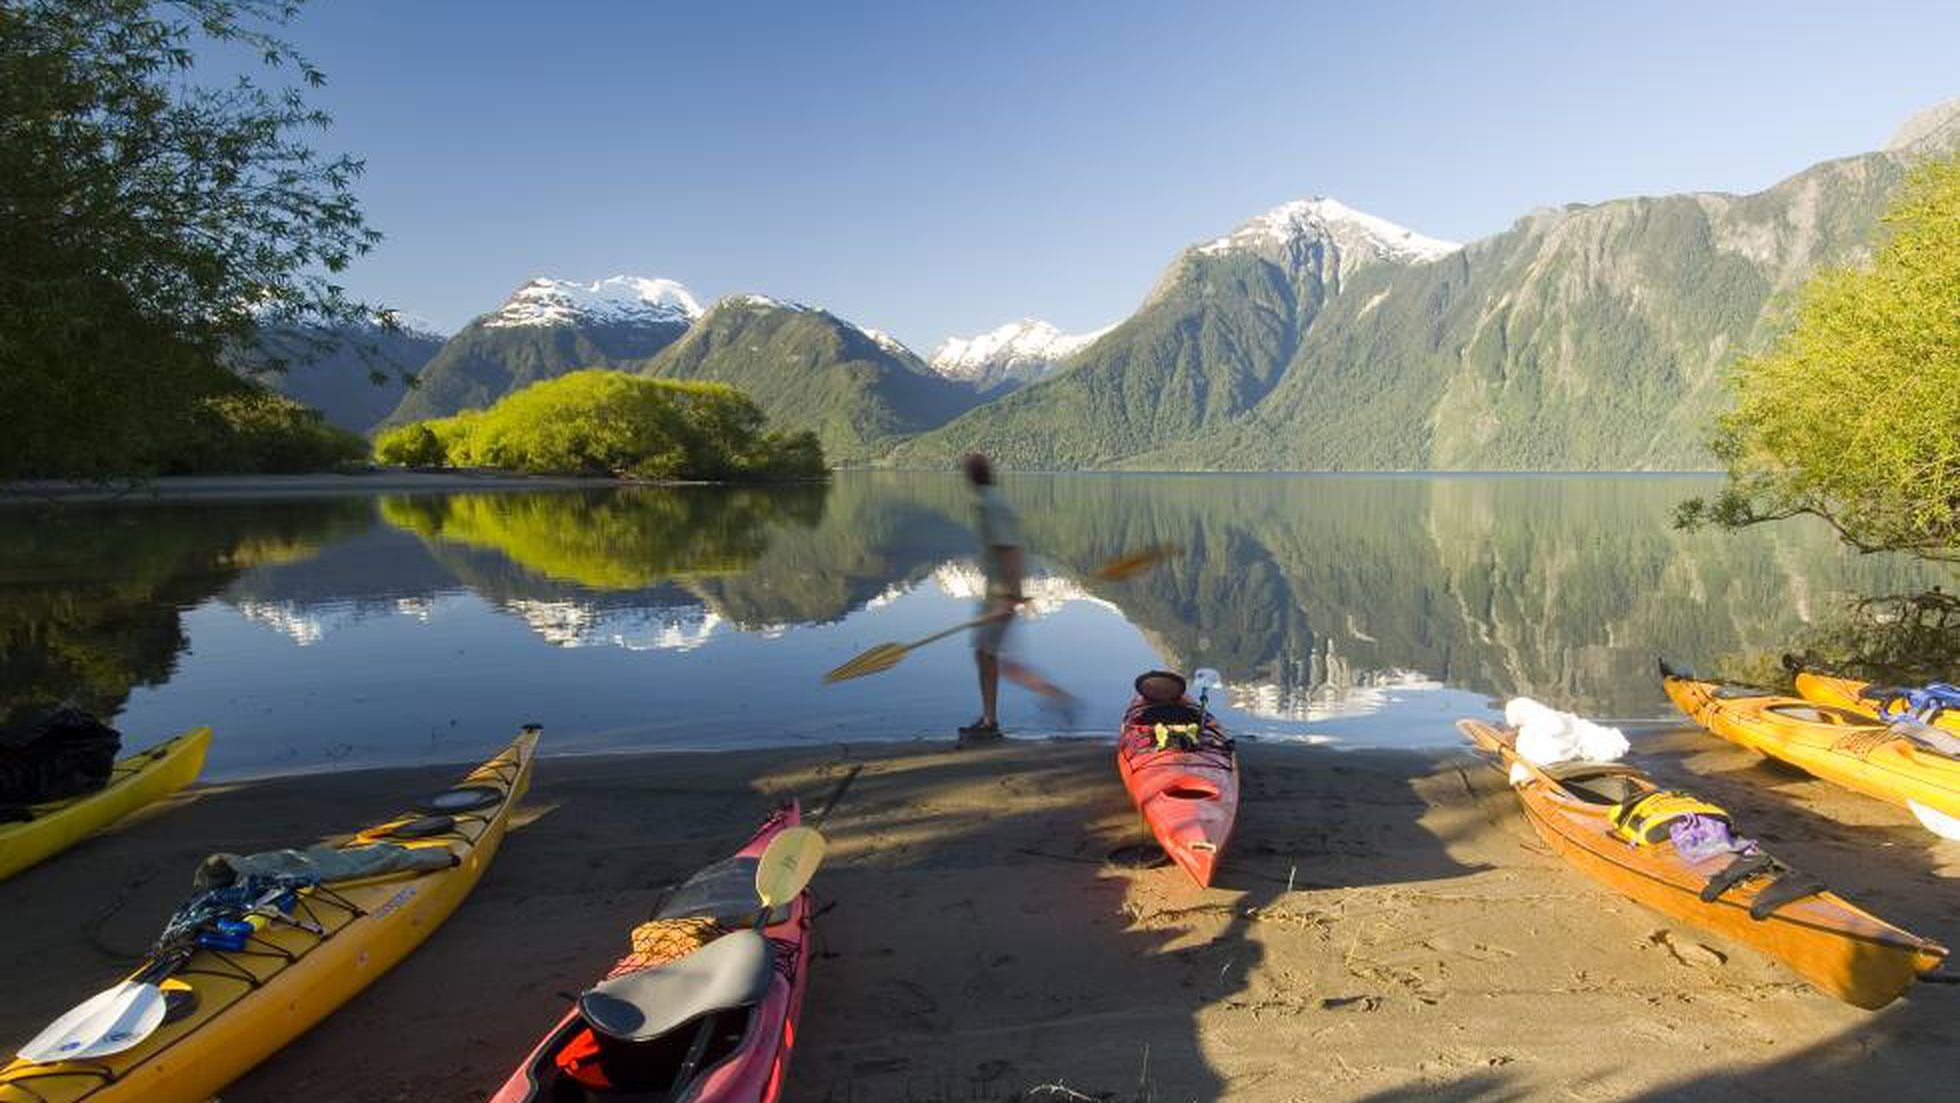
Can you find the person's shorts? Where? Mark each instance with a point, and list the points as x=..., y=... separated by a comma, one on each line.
x=989, y=638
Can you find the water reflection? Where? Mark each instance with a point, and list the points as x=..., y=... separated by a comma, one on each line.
x=1364, y=609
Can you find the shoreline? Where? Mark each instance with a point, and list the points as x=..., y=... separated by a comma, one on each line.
x=311, y=484
x=1387, y=926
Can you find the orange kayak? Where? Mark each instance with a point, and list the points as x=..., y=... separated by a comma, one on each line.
x=1849, y=693
x=1184, y=782
x=1837, y=744
x=1835, y=945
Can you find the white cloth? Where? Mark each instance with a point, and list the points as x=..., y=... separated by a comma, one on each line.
x=1547, y=736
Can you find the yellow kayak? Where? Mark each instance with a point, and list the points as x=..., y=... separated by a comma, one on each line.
x=138, y=780
x=235, y=1008
x=1836, y=744
x=1835, y=945
x=1845, y=694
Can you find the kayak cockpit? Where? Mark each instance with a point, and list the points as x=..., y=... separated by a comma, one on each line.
x=729, y=973
x=651, y=1035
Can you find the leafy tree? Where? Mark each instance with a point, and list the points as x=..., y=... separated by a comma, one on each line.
x=410, y=446
x=149, y=223
x=1854, y=414
x=254, y=431
x=600, y=422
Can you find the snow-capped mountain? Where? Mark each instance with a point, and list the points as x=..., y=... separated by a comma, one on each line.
x=620, y=299
x=1355, y=235
x=546, y=328
x=1017, y=353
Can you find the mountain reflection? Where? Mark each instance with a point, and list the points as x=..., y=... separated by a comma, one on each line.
x=1320, y=598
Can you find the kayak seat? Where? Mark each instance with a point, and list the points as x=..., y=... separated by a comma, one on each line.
x=730, y=973
x=724, y=892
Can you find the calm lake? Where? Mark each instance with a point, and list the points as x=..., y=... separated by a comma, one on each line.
x=1359, y=611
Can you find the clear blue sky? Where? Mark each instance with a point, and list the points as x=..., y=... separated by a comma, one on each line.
x=933, y=168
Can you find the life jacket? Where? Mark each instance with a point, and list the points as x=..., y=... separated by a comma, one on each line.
x=1644, y=820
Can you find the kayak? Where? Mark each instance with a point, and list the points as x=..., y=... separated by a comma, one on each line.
x=1578, y=807
x=1849, y=693
x=232, y=1008
x=1184, y=783
x=704, y=1009
x=138, y=780
x=1837, y=744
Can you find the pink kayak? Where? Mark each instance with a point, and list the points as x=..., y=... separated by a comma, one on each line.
x=704, y=1009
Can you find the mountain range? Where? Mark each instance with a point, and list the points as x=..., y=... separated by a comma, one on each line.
x=1312, y=337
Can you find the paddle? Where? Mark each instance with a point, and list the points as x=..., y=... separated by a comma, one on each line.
x=883, y=657
x=121, y=1017
x=108, y=1022
x=1206, y=679
x=786, y=866
x=1125, y=567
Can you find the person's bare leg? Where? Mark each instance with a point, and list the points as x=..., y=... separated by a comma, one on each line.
x=989, y=665
x=1029, y=678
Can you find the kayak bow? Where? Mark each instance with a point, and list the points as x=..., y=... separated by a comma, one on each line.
x=137, y=781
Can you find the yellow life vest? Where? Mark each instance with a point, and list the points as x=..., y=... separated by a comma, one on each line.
x=1185, y=734
x=1643, y=821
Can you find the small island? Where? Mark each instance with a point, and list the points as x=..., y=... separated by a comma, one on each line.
x=599, y=422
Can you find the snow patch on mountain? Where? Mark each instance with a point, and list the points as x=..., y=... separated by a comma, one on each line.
x=415, y=325
x=1025, y=350
x=877, y=336
x=883, y=340
x=1349, y=230
x=620, y=299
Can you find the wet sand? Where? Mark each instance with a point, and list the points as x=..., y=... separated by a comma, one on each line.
x=1387, y=928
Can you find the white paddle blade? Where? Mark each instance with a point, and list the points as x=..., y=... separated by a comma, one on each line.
x=1939, y=823
x=788, y=863
x=108, y=1022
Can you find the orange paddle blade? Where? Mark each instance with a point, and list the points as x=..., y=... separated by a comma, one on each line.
x=1125, y=567
x=875, y=661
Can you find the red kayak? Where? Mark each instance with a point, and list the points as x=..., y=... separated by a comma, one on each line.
x=704, y=1009
x=1185, y=781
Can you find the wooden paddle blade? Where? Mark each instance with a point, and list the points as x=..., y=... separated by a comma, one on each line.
x=108, y=1022
x=1125, y=567
x=787, y=864
x=875, y=661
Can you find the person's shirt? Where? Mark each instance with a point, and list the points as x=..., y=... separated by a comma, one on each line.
x=999, y=528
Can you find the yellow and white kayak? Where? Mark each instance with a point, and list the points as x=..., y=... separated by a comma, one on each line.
x=235, y=1008
x=1837, y=744
x=139, y=780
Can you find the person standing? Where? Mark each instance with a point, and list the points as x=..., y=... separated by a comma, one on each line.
x=1004, y=566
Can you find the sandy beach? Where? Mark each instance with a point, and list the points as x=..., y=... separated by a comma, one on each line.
x=1387, y=928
